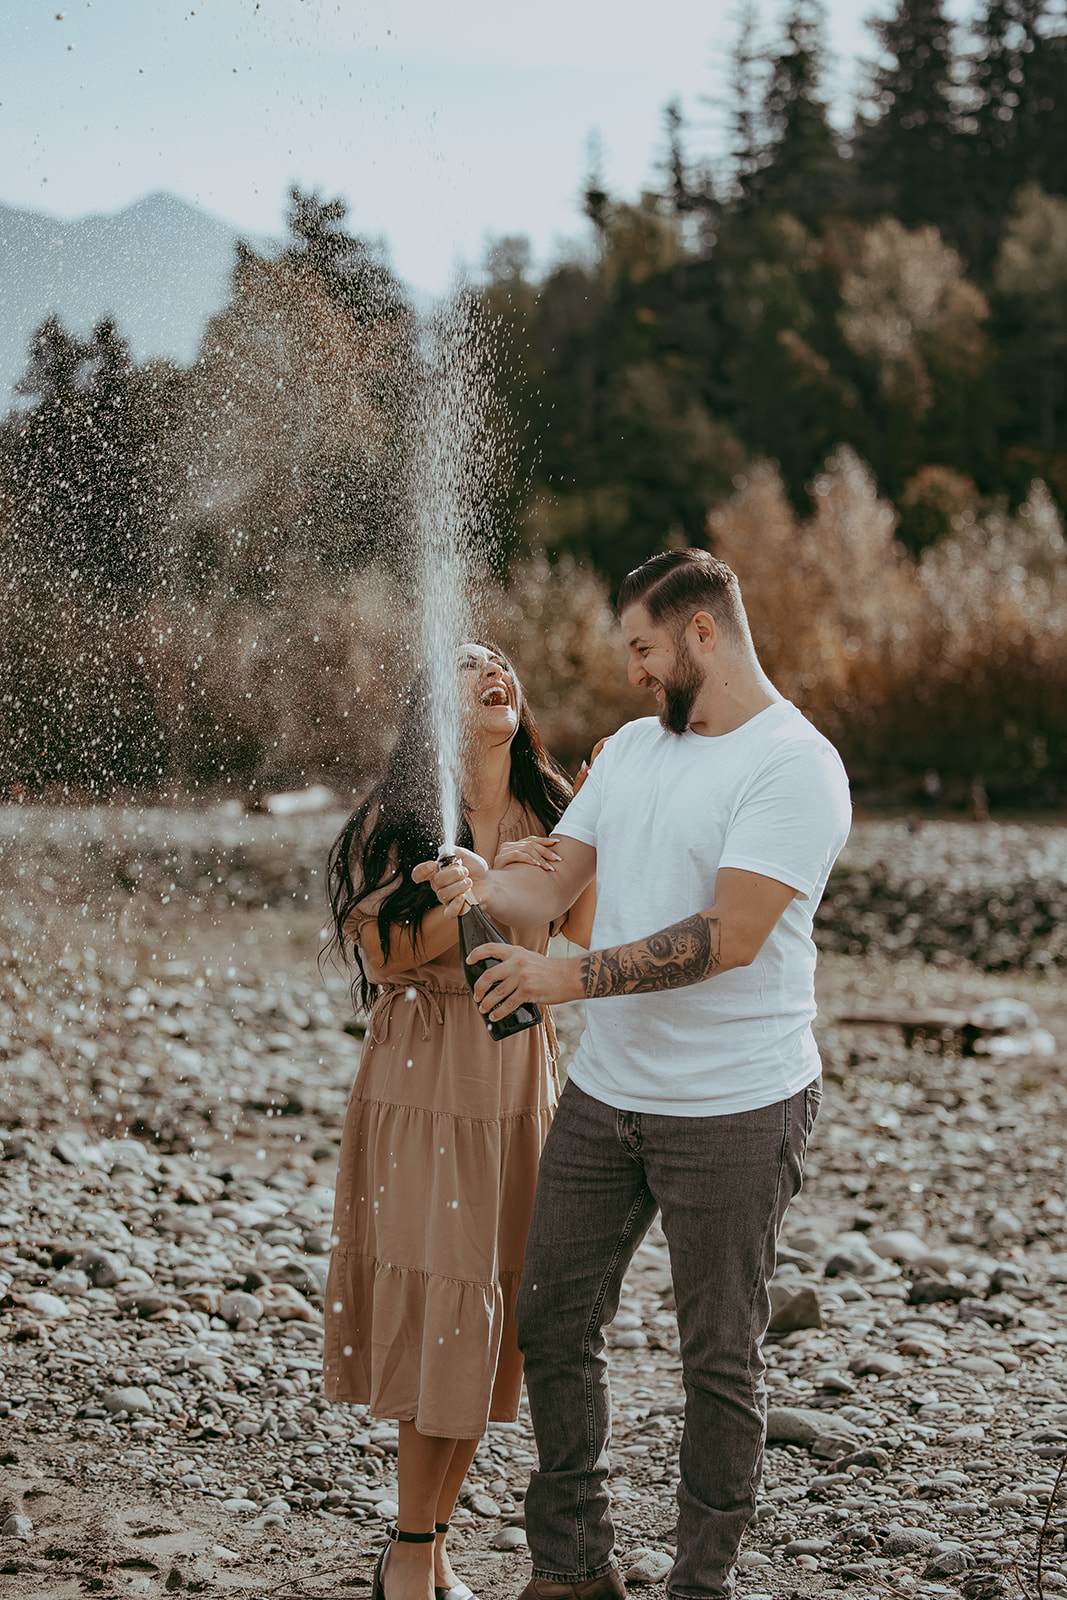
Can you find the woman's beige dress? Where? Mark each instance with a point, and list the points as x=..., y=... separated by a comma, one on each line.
x=438, y=1166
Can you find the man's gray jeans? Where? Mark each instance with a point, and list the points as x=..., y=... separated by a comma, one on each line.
x=722, y=1185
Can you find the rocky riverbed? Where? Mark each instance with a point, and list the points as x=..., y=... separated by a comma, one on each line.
x=173, y=1073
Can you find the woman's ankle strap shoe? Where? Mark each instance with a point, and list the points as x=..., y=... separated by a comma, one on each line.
x=411, y=1538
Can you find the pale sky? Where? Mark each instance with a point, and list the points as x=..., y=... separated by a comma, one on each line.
x=441, y=122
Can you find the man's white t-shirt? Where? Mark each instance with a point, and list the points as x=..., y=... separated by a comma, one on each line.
x=664, y=812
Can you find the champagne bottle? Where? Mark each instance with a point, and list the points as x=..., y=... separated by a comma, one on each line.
x=475, y=929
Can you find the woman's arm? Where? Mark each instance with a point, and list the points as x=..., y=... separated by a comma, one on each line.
x=437, y=934
x=577, y=925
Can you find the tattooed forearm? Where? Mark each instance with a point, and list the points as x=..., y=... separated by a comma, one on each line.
x=685, y=953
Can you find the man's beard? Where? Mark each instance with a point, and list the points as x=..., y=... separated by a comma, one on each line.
x=680, y=692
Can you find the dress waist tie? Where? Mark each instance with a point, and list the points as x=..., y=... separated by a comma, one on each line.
x=426, y=1000
x=423, y=996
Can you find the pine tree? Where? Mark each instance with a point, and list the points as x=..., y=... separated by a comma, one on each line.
x=744, y=116
x=908, y=150
x=86, y=465
x=1042, y=113
x=351, y=268
x=1009, y=132
x=801, y=169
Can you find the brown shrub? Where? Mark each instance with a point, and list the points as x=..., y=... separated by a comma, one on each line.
x=957, y=662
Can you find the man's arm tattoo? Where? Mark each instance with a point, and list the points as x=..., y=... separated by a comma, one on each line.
x=685, y=953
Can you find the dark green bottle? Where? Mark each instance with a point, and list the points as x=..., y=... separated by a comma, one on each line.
x=475, y=929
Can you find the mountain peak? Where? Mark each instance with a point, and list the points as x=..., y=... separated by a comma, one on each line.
x=160, y=266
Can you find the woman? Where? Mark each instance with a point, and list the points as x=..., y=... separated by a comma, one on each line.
x=445, y=1127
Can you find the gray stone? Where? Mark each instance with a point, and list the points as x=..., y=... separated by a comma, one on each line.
x=70, y=1281
x=807, y=1547
x=802, y=1425
x=240, y=1309
x=134, y=1401
x=877, y=1363
x=948, y=1562
x=17, y=1526
x=48, y=1306
x=906, y=1541
x=509, y=1538
x=792, y=1310
x=481, y=1504
x=649, y=1566
x=898, y=1245
x=104, y=1268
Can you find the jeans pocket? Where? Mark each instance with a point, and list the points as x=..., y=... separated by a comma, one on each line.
x=812, y=1102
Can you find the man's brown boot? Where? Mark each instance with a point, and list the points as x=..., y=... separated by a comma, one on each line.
x=609, y=1586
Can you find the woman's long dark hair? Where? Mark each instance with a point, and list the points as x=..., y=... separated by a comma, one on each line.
x=399, y=824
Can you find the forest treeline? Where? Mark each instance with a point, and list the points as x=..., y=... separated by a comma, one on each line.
x=839, y=358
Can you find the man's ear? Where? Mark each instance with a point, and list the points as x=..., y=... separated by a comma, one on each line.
x=705, y=629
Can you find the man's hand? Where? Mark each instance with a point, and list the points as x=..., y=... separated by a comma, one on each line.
x=453, y=884
x=523, y=975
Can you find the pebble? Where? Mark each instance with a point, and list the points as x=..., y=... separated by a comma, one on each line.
x=800, y=1425
x=134, y=1401
x=509, y=1538
x=187, y=1272
x=948, y=1563
x=906, y=1541
x=648, y=1566
x=481, y=1504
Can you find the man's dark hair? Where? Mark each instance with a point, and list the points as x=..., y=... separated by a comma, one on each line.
x=674, y=586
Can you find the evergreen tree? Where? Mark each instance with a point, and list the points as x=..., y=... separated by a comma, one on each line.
x=1042, y=113
x=352, y=268
x=86, y=465
x=745, y=111
x=1010, y=128
x=800, y=169
x=908, y=150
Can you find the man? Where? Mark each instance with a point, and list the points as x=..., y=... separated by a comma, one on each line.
x=711, y=833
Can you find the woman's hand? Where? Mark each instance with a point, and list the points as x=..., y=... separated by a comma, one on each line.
x=533, y=851
x=453, y=884
x=583, y=771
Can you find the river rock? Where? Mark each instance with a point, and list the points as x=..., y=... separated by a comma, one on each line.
x=104, y=1268
x=800, y=1425
x=949, y=1562
x=793, y=1310
x=134, y=1401
x=908, y=1541
x=648, y=1566
x=509, y=1538
x=899, y=1245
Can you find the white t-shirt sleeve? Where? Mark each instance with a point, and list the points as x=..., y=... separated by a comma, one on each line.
x=579, y=821
x=793, y=819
